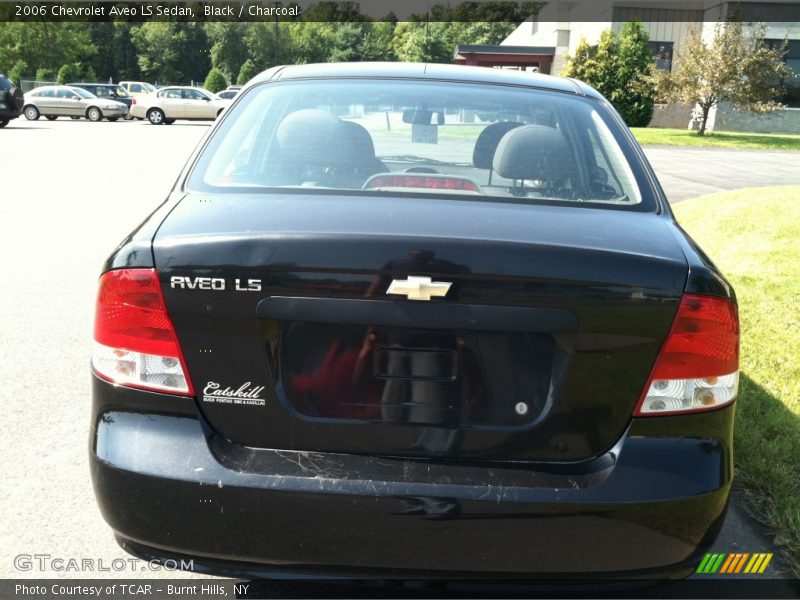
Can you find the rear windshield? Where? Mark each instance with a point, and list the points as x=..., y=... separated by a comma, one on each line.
x=5, y=84
x=419, y=137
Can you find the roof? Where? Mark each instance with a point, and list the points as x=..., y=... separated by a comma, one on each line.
x=181, y=87
x=487, y=49
x=430, y=71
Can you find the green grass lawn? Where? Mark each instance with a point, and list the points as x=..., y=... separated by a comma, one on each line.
x=753, y=236
x=721, y=139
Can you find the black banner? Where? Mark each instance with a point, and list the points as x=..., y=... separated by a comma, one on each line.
x=220, y=588
x=396, y=10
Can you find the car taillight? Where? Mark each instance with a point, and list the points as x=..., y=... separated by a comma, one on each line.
x=133, y=100
x=135, y=341
x=698, y=365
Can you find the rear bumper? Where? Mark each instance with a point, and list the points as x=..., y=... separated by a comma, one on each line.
x=169, y=486
x=8, y=114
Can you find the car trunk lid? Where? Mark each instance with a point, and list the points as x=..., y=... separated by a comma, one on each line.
x=538, y=350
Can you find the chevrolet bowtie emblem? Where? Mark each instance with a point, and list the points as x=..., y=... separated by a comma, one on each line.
x=419, y=288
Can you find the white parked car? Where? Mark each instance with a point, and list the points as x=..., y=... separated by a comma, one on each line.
x=168, y=104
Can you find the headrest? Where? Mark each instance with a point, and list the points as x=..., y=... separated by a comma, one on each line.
x=486, y=144
x=358, y=142
x=312, y=136
x=533, y=152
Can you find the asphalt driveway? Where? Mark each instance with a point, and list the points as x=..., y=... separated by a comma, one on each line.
x=690, y=172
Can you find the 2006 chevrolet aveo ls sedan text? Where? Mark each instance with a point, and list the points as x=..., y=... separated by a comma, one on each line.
x=400, y=320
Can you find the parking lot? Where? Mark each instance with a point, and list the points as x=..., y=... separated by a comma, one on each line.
x=71, y=190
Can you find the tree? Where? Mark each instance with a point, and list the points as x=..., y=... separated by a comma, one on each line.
x=247, y=72
x=17, y=71
x=194, y=54
x=228, y=49
x=737, y=67
x=347, y=40
x=308, y=42
x=126, y=65
x=43, y=74
x=266, y=50
x=172, y=51
x=582, y=64
x=156, y=43
x=635, y=98
x=103, y=62
x=618, y=67
x=215, y=82
x=482, y=32
x=69, y=72
x=422, y=42
x=44, y=45
x=377, y=41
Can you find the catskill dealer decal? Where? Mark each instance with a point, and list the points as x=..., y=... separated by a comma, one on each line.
x=246, y=394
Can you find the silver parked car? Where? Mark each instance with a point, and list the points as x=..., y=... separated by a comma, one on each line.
x=55, y=101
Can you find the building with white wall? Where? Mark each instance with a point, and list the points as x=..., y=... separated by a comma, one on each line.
x=561, y=24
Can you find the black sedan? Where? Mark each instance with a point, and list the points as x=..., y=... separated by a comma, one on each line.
x=11, y=101
x=417, y=321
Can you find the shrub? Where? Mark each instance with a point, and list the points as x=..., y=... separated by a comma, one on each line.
x=215, y=81
x=17, y=71
x=619, y=68
x=247, y=72
x=68, y=73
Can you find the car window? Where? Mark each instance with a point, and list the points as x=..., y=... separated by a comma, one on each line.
x=119, y=92
x=419, y=137
x=170, y=93
x=5, y=84
x=148, y=88
x=194, y=95
x=136, y=88
x=82, y=93
x=66, y=93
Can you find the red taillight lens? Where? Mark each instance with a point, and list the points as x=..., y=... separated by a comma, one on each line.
x=698, y=365
x=135, y=340
x=133, y=100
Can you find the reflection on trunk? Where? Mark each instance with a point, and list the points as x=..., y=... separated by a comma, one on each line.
x=436, y=378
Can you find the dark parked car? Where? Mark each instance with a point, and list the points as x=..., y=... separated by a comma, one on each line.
x=11, y=100
x=111, y=91
x=402, y=320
